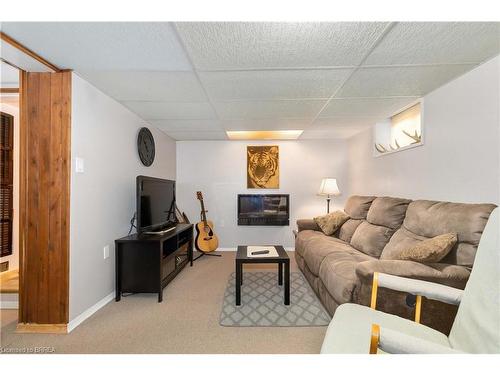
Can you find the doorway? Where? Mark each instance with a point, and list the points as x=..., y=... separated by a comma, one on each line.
x=9, y=186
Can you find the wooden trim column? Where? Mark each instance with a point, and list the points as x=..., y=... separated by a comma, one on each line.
x=45, y=172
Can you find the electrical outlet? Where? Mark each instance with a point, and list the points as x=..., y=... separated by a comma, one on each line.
x=106, y=252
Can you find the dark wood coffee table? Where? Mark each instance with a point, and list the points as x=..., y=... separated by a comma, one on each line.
x=282, y=259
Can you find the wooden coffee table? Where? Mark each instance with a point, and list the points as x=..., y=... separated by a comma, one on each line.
x=282, y=260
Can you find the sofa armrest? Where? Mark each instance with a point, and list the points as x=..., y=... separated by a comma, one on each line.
x=307, y=224
x=451, y=275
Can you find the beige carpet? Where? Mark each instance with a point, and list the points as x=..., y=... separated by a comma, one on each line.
x=186, y=322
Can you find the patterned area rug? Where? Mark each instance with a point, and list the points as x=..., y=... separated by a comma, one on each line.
x=262, y=303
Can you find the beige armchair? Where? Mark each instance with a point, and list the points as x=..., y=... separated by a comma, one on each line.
x=476, y=329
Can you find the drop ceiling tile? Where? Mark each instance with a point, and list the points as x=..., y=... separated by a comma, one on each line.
x=269, y=109
x=9, y=76
x=437, y=43
x=197, y=136
x=266, y=124
x=171, y=110
x=376, y=108
x=273, y=84
x=103, y=45
x=153, y=86
x=187, y=125
x=338, y=133
x=400, y=81
x=343, y=122
x=243, y=45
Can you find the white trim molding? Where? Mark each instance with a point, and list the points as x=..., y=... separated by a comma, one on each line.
x=9, y=301
x=9, y=305
x=90, y=311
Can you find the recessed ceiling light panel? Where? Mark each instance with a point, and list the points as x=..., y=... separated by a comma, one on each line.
x=263, y=134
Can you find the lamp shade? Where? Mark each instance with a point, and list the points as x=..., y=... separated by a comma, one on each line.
x=329, y=187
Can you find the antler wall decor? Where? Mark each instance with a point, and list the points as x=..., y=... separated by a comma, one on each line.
x=380, y=148
x=417, y=138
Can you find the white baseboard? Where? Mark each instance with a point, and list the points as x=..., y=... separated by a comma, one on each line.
x=234, y=249
x=9, y=301
x=90, y=311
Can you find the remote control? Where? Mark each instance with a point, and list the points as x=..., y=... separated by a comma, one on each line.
x=260, y=252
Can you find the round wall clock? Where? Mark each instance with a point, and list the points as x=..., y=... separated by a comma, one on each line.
x=146, y=146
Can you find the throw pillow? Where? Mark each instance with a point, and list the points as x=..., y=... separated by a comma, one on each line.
x=431, y=250
x=329, y=223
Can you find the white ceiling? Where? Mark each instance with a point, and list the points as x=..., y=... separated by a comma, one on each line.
x=196, y=80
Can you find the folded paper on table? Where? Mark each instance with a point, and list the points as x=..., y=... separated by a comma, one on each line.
x=273, y=253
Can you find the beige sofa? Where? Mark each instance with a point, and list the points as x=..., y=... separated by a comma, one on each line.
x=340, y=267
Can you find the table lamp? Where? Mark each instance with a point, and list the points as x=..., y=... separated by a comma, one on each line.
x=328, y=187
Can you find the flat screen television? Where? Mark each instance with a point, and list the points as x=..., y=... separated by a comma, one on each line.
x=155, y=204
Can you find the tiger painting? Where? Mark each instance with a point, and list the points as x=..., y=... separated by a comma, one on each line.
x=262, y=167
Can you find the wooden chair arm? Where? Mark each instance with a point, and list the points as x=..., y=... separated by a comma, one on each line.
x=373, y=303
x=375, y=338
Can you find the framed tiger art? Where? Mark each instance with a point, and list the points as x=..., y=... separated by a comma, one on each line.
x=263, y=167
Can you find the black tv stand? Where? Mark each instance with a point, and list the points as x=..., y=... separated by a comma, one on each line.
x=146, y=263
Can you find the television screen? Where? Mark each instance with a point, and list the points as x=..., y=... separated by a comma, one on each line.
x=155, y=204
x=262, y=205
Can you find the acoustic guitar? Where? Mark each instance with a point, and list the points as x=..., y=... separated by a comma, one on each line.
x=206, y=239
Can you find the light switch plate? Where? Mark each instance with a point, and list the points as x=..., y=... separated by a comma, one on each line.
x=106, y=252
x=79, y=165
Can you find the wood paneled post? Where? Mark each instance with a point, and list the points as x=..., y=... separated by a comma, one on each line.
x=45, y=163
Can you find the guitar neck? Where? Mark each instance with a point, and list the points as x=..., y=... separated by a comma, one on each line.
x=203, y=214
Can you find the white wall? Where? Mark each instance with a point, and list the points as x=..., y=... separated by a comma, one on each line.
x=218, y=169
x=13, y=259
x=104, y=133
x=460, y=158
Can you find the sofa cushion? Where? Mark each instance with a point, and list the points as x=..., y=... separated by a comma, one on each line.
x=357, y=206
x=303, y=238
x=400, y=240
x=319, y=248
x=388, y=212
x=347, y=230
x=430, y=219
x=331, y=222
x=338, y=274
x=371, y=239
x=431, y=250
